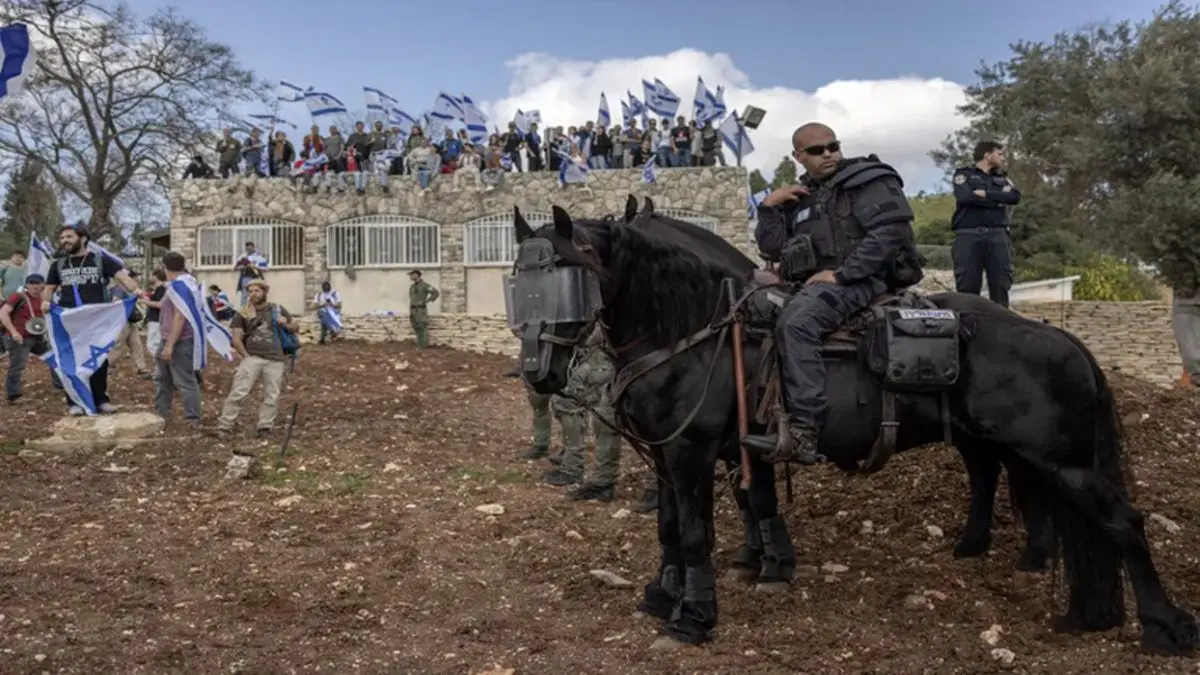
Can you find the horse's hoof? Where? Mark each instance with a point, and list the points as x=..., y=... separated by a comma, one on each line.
x=666, y=643
x=744, y=574
x=772, y=587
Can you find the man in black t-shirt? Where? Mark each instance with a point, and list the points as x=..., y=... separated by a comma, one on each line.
x=82, y=278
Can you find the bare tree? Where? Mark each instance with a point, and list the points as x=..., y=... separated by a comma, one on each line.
x=116, y=103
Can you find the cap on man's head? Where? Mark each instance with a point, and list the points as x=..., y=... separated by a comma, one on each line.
x=35, y=279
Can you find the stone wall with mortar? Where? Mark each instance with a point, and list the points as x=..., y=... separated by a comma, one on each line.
x=1133, y=337
x=717, y=192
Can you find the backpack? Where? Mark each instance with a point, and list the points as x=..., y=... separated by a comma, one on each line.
x=289, y=342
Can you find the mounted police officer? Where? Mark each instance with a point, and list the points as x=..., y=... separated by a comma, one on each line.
x=983, y=194
x=845, y=233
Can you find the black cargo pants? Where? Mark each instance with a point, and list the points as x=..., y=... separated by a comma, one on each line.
x=809, y=317
x=979, y=251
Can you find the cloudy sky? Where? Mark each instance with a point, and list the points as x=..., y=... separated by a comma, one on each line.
x=886, y=75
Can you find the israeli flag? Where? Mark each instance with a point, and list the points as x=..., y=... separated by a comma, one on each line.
x=104, y=253
x=286, y=91
x=648, y=174
x=506, y=163
x=331, y=319
x=475, y=120
x=522, y=121
x=322, y=105
x=660, y=98
x=19, y=59
x=188, y=297
x=402, y=121
x=602, y=117
x=626, y=113
x=39, y=257
x=272, y=120
x=708, y=106
x=80, y=340
x=377, y=101
x=571, y=172
x=447, y=109
x=755, y=200
x=730, y=129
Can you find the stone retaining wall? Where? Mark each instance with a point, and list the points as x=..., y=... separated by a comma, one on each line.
x=1134, y=337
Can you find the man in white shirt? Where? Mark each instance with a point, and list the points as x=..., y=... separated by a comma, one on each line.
x=328, y=305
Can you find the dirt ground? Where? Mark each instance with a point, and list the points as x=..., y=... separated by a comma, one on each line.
x=363, y=551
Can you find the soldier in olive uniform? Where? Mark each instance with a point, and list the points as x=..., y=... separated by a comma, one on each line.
x=588, y=381
x=420, y=294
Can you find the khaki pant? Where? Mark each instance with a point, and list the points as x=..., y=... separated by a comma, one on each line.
x=130, y=341
x=247, y=375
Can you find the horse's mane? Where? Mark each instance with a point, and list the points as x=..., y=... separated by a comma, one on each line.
x=661, y=289
x=705, y=243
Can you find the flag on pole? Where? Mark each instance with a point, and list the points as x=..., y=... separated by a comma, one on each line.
x=80, y=340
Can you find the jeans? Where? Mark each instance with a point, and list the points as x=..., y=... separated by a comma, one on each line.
x=683, y=158
x=598, y=162
x=18, y=357
x=664, y=157
x=178, y=374
x=423, y=178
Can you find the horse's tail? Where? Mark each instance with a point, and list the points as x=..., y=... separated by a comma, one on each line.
x=1108, y=432
x=1091, y=559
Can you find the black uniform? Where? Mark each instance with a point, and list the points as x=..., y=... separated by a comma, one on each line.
x=857, y=223
x=980, y=225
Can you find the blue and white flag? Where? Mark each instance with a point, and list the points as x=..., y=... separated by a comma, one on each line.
x=730, y=129
x=603, y=119
x=402, y=121
x=188, y=297
x=475, y=120
x=626, y=113
x=39, y=257
x=80, y=340
x=104, y=253
x=571, y=172
x=322, y=106
x=331, y=319
x=290, y=93
x=707, y=105
x=446, y=109
x=755, y=200
x=506, y=162
x=660, y=98
x=19, y=59
x=377, y=101
x=522, y=121
x=648, y=174
x=271, y=120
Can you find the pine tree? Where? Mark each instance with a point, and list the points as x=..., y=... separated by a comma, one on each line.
x=757, y=182
x=785, y=173
x=30, y=206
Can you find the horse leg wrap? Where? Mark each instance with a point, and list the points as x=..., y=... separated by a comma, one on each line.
x=695, y=617
x=749, y=554
x=660, y=597
x=779, y=556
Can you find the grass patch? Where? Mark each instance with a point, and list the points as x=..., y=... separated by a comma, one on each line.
x=511, y=477
x=300, y=481
x=348, y=483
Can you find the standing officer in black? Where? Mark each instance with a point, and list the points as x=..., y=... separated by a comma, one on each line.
x=845, y=233
x=982, y=194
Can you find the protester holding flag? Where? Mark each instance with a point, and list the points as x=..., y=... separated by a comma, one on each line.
x=15, y=315
x=84, y=276
x=328, y=304
x=177, y=353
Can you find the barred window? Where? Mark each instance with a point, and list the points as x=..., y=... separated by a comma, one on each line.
x=491, y=241
x=707, y=222
x=384, y=241
x=221, y=244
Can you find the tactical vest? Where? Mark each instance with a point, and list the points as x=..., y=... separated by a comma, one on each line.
x=825, y=233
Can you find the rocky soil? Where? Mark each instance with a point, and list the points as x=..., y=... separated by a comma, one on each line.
x=365, y=547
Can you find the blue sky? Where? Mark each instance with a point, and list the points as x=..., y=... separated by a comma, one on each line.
x=412, y=49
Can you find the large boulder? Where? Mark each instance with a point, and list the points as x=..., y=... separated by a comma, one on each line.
x=103, y=432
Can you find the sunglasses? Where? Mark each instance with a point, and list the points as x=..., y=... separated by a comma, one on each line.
x=818, y=150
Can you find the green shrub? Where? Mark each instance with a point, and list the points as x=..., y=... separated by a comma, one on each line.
x=1110, y=279
x=936, y=257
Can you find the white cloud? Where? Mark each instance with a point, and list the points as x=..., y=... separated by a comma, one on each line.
x=898, y=119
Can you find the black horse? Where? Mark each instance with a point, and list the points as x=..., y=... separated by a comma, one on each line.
x=983, y=468
x=1027, y=392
